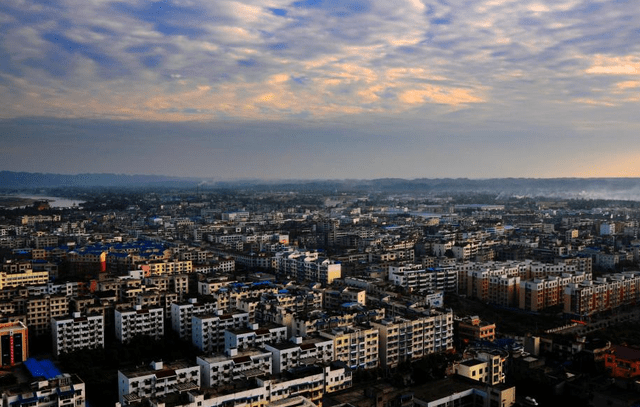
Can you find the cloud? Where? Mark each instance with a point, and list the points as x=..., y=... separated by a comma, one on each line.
x=151, y=60
x=605, y=65
x=436, y=94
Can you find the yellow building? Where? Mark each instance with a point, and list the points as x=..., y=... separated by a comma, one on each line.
x=24, y=278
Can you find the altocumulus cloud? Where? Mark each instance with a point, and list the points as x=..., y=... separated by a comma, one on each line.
x=277, y=60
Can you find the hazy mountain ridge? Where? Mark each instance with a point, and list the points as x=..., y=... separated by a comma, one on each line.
x=586, y=188
x=27, y=180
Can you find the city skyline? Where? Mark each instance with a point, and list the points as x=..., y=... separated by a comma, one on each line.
x=321, y=89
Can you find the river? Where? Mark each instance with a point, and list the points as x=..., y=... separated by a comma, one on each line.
x=54, y=201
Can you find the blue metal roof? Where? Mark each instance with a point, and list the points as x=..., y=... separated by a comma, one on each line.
x=42, y=368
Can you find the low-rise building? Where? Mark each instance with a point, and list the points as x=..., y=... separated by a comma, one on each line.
x=474, y=329
x=486, y=366
x=622, y=361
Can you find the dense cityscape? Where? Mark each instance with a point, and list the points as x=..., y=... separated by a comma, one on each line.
x=271, y=297
x=319, y=203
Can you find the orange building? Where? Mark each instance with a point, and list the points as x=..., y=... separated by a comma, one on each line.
x=621, y=361
x=473, y=329
x=13, y=343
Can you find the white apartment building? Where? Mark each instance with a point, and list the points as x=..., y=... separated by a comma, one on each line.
x=297, y=352
x=253, y=337
x=405, y=339
x=306, y=266
x=64, y=390
x=181, y=314
x=296, y=388
x=223, y=369
x=208, y=329
x=157, y=380
x=139, y=321
x=228, y=298
x=76, y=332
x=416, y=277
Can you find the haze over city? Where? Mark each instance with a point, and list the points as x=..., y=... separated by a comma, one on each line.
x=321, y=89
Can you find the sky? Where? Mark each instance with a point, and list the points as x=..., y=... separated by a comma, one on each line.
x=321, y=89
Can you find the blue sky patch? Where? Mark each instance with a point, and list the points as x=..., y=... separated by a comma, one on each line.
x=247, y=62
x=279, y=46
x=336, y=8
x=152, y=61
x=441, y=21
x=278, y=12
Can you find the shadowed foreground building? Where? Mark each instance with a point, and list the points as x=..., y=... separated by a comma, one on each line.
x=44, y=386
x=449, y=392
x=623, y=362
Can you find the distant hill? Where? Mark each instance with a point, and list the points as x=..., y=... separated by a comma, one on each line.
x=580, y=188
x=28, y=180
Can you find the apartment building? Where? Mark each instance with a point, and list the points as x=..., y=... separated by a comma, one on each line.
x=208, y=329
x=253, y=336
x=40, y=309
x=75, y=332
x=181, y=314
x=302, y=298
x=504, y=290
x=306, y=266
x=300, y=387
x=356, y=346
x=62, y=390
x=212, y=284
x=169, y=267
x=603, y=294
x=222, y=369
x=333, y=299
x=546, y=292
x=23, y=278
x=136, y=321
x=228, y=298
x=298, y=352
x=415, y=277
x=157, y=380
x=413, y=337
